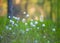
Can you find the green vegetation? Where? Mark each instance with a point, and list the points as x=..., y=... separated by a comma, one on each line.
x=22, y=31
x=45, y=29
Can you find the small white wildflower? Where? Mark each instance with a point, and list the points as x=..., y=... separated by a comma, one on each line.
x=9, y=16
x=36, y=22
x=27, y=29
x=7, y=27
x=14, y=17
x=41, y=18
x=26, y=24
x=24, y=12
x=18, y=18
x=13, y=33
x=37, y=27
x=10, y=28
x=16, y=24
x=43, y=25
x=12, y=22
x=48, y=41
x=31, y=23
x=44, y=36
x=27, y=15
x=53, y=29
x=23, y=20
x=1, y=37
x=35, y=41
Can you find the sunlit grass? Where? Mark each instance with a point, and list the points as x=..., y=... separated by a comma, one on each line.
x=22, y=31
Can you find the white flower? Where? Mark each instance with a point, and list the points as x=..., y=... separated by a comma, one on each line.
x=10, y=28
x=11, y=21
x=36, y=22
x=31, y=23
x=43, y=25
x=35, y=41
x=13, y=33
x=16, y=24
x=27, y=15
x=23, y=20
x=37, y=27
x=27, y=29
x=24, y=12
x=48, y=41
x=26, y=24
x=7, y=27
x=14, y=17
x=18, y=18
x=41, y=18
x=1, y=37
x=9, y=16
x=44, y=36
x=53, y=29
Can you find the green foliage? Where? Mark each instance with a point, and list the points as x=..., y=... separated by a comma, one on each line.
x=20, y=32
x=42, y=32
x=2, y=23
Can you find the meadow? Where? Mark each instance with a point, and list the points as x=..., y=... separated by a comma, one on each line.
x=23, y=31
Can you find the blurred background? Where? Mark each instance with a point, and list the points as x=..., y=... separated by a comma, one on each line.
x=36, y=8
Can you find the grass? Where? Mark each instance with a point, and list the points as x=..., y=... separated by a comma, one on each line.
x=25, y=32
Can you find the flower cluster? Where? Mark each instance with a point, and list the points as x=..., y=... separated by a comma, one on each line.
x=26, y=28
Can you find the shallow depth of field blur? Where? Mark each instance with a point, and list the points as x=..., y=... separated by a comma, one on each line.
x=30, y=21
